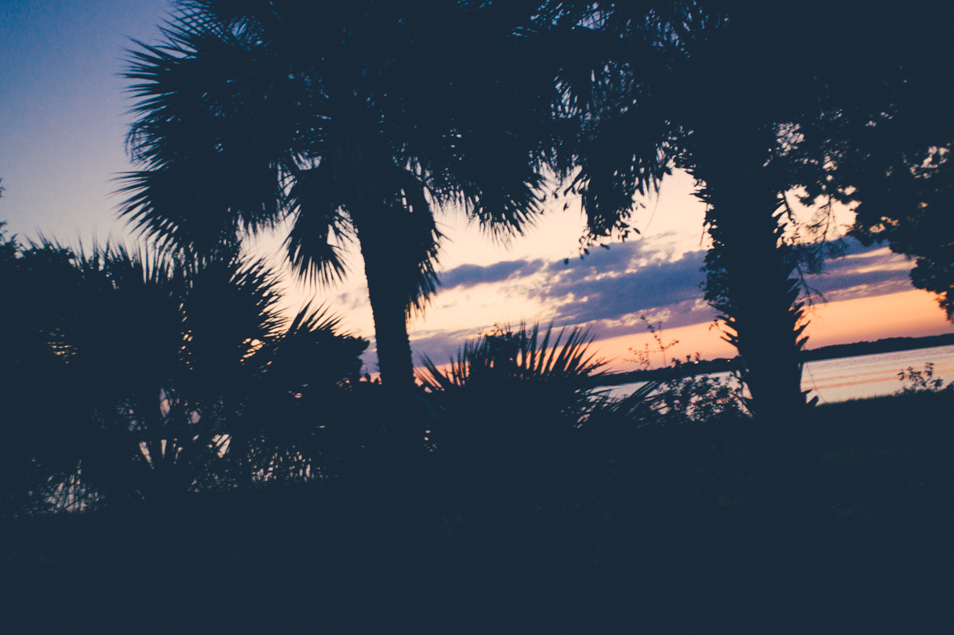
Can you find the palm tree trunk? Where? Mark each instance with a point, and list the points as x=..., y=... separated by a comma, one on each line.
x=749, y=273
x=388, y=295
x=390, y=287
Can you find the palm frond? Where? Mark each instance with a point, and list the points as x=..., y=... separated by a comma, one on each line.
x=310, y=352
x=338, y=117
x=214, y=126
x=421, y=240
x=312, y=319
x=520, y=354
x=315, y=242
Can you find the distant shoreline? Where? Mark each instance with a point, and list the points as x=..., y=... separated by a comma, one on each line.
x=725, y=364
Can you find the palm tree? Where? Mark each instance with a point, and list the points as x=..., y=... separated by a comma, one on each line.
x=163, y=374
x=639, y=115
x=351, y=121
x=509, y=368
x=510, y=408
x=729, y=91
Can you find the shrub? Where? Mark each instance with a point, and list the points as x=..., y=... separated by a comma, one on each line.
x=916, y=380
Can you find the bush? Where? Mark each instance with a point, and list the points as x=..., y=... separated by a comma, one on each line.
x=915, y=380
x=137, y=375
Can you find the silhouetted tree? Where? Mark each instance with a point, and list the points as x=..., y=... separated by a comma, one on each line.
x=908, y=201
x=352, y=121
x=36, y=393
x=678, y=83
x=898, y=162
x=139, y=376
x=732, y=92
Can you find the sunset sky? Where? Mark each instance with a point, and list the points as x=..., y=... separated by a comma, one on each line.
x=62, y=128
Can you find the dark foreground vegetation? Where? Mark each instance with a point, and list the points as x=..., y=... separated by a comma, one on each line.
x=178, y=455
x=529, y=525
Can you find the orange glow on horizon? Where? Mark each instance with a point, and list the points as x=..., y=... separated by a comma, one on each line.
x=911, y=313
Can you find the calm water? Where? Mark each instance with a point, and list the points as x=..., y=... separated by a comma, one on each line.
x=872, y=375
x=859, y=377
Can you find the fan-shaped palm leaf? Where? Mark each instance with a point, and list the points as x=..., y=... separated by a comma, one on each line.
x=355, y=119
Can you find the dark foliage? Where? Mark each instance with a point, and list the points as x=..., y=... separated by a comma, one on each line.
x=131, y=376
x=680, y=530
x=514, y=497
x=509, y=408
x=911, y=205
x=351, y=122
x=508, y=368
x=733, y=93
x=531, y=504
x=887, y=137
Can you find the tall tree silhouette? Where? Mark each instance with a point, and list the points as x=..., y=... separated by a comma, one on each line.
x=670, y=83
x=732, y=92
x=737, y=152
x=897, y=164
x=350, y=121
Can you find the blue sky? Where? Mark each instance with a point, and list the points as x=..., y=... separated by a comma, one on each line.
x=62, y=127
x=62, y=107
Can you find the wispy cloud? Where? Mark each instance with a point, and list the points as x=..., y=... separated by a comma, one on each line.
x=588, y=292
x=862, y=272
x=466, y=276
x=609, y=290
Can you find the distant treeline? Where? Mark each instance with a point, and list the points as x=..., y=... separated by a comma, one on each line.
x=886, y=345
x=724, y=364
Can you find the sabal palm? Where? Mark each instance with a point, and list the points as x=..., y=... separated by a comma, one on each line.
x=512, y=399
x=353, y=121
x=679, y=85
x=726, y=90
x=151, y=362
